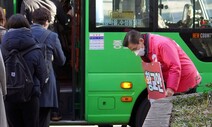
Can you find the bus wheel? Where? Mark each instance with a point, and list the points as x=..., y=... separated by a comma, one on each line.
x=142, y=112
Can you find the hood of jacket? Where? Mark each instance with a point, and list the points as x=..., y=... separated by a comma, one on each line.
x=19, y=39
x=145, y=58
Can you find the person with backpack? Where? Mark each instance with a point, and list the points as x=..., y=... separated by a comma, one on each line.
x=24, y=63
x=54, y=54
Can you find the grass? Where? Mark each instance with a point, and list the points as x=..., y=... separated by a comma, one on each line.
x=194, y=111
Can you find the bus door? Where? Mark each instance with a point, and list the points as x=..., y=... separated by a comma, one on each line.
x=70, y=76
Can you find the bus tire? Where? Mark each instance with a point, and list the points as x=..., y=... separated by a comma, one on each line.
x=142, y=112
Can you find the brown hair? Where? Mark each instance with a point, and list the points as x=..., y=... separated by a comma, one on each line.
x=17, y=21
x=41, y=15
x=2, y=17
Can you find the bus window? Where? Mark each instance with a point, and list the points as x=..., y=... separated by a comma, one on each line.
x=202, y=46
x=203, y=14
x=200, y=42
x=184, y=14
x=122, y=13
x=175, y=13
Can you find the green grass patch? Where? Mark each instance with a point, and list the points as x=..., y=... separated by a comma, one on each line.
x=193, y=111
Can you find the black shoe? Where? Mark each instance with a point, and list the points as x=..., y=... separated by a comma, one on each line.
x=55, y=116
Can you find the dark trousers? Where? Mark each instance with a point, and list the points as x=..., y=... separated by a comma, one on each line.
x=23, y=114
x=44, y=116
x=193, y=90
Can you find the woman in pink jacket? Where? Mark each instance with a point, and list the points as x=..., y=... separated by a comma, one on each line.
x=179, y=73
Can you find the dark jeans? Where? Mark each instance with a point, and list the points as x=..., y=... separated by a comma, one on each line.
x=23, y=114
x=193, y=90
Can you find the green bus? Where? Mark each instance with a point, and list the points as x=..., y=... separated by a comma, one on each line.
x=102, y=82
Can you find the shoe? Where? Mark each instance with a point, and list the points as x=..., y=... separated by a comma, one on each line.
x=56, y=116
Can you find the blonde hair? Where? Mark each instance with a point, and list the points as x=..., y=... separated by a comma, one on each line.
x=2, y=17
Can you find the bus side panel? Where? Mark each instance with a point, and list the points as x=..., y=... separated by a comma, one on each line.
x=108, y=64
x=104, y=97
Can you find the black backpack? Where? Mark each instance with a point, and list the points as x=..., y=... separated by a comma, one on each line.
x=19, y=79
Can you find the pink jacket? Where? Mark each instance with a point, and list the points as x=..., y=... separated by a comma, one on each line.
x=178, y=70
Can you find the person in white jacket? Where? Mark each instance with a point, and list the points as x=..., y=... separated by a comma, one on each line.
x=3, y=91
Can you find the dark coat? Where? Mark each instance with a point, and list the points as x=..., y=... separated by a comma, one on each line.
x=22, y=39
x=49, y=95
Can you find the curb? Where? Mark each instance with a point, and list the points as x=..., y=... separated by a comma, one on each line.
x=160, y=112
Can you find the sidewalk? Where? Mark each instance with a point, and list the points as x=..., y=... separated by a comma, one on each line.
x=75, y=126
x=84, y=126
